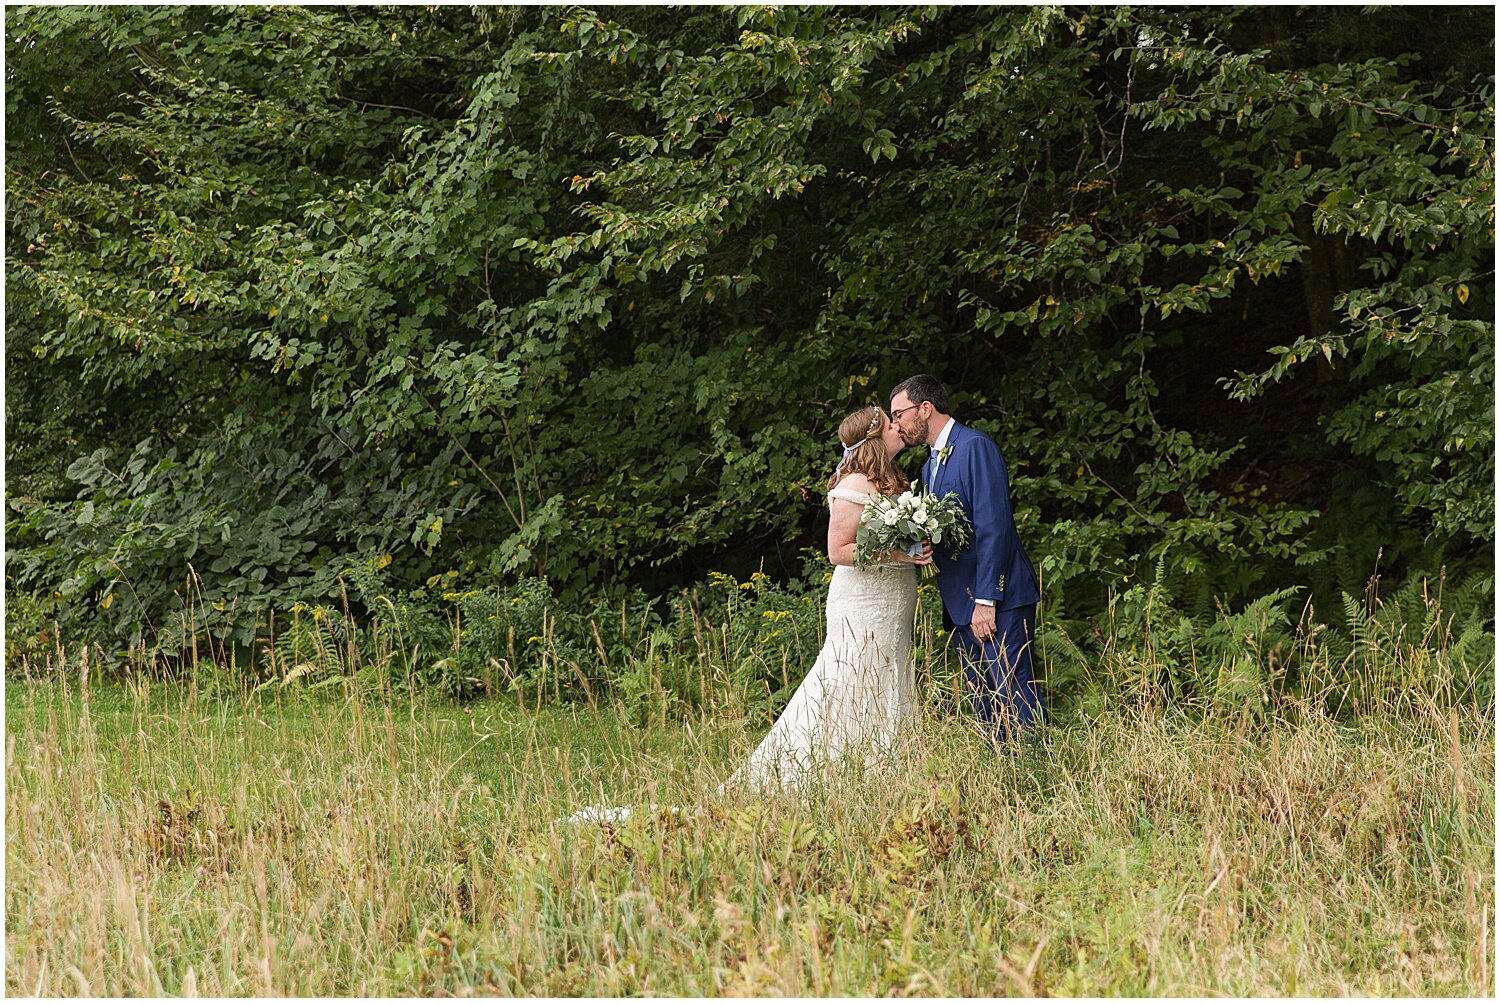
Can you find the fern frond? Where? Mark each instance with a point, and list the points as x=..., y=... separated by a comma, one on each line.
x=1357, y=618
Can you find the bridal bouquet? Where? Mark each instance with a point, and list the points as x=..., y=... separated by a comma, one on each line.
x=904, y=521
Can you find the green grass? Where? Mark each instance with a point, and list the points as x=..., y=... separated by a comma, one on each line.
x=162, y=844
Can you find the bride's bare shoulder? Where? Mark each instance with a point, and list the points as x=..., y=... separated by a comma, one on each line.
x=853, y=482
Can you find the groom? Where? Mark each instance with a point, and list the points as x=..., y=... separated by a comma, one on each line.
x=989, y=589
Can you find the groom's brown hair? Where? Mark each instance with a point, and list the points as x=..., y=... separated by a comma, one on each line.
x=924, y=388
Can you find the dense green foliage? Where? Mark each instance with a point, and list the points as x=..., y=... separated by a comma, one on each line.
x=446, y=297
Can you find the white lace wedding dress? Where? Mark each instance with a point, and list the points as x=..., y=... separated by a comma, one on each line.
x=861, y=688
x=855, y=697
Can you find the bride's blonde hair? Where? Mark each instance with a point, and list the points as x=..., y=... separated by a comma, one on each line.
x=864, y=453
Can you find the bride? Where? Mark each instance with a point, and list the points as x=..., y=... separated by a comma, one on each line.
x=861, y=687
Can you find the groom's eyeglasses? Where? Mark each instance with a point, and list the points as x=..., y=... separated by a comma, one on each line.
x=896, y=415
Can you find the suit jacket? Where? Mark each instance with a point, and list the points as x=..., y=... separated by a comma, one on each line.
x=994, y=565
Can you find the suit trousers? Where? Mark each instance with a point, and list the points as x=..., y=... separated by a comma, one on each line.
x=1002, y=685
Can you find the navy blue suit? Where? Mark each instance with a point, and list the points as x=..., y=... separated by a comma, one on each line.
x=993, y=566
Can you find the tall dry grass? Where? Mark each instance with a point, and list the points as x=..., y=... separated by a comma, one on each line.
x=161, y=844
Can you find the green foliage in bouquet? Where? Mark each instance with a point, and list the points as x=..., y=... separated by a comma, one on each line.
x=904, y=521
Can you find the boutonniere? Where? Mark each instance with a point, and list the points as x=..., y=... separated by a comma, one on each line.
x=943, y=454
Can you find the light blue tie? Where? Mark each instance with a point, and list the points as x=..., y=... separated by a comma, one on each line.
x=932, y=468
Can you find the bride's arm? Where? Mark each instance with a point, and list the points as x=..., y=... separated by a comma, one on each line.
x=843, y=523
x=843, y=520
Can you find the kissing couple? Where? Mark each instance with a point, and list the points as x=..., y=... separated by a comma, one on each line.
x=861, y=689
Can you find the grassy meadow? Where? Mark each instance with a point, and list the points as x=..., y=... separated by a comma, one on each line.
x=160, y=842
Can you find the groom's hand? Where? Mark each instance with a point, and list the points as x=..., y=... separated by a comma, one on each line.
x=982, y=622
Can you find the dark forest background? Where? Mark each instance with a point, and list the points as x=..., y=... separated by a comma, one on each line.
x=444, y=300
